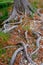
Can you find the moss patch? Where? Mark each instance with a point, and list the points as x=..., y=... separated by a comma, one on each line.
x=4, y=36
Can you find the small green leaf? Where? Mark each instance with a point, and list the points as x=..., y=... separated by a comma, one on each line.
x=26, y=27
x=34, y=56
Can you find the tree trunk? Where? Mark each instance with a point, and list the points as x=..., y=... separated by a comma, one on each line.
x=20, y=6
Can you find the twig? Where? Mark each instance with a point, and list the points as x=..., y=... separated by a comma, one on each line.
x=8, y=47
x=26, y=37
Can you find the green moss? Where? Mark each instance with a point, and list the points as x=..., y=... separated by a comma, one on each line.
x=4, y=36
x=26, y=27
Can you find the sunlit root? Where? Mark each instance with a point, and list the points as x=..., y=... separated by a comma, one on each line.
x=8, y=29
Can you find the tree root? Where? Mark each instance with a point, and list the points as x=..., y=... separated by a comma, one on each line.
x=15, y=55
x=24, y=48
x=37, y=42
x=9, y=29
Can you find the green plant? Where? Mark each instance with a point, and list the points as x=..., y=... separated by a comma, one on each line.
x=4, y=36
x=4, y=5
x=5, y=14
x=6, y=1
x=2, y=51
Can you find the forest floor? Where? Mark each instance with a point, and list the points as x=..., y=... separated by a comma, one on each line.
x=17, y=35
